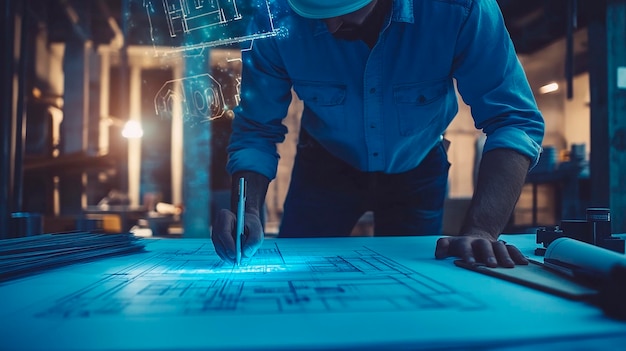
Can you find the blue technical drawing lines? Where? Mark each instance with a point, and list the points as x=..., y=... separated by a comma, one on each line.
x=180, y=25
x=184, y=16
x=200, y=98
x=194, y=281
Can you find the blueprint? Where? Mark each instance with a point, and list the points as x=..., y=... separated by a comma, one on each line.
x=182, y=25
x=195, y=281
x=332, y=293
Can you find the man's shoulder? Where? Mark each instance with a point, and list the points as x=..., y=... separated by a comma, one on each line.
x=483, y=5
x=463, y=3
x=419, y=7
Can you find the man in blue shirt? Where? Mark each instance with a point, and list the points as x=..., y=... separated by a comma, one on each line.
x=377, y=81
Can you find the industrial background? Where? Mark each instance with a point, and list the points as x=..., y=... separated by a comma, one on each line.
x=75, y=73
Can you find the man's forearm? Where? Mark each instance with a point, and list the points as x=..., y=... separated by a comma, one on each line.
x=501, y=176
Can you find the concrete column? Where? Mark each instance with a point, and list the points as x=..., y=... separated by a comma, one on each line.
x=196, y=153
x=134, y=144
x=607, y=77
x=104, y=113
x=177, y=145
x=74, y=128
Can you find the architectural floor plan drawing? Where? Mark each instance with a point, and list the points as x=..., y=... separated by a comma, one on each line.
x=194, y=281
x=188, y=25
x=356, y=293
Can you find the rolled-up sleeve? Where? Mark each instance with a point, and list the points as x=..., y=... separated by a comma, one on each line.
x=492, y=82
x=265, y=98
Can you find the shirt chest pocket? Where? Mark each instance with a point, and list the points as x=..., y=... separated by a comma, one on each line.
x=420, y=105
x=326, y=101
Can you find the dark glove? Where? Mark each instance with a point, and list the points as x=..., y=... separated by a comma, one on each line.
x=224, y=228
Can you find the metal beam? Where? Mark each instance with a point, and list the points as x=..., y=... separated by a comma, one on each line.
x=76, y=111
x=616, y=63
x=7, y=117
x=607, y=35
x=25, y=66
x=598, y=89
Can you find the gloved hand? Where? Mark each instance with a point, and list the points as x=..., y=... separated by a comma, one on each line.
x=225, y=225
x=224, y=235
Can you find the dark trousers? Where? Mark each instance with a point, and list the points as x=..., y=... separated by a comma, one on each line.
x=327, y=196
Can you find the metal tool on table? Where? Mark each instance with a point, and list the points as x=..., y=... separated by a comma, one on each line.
x=595, y=230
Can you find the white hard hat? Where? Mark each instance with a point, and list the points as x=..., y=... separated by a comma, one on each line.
x=326, y=8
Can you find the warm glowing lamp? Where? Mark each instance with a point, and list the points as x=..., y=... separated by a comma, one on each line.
x=549, y=88
x=132, y=130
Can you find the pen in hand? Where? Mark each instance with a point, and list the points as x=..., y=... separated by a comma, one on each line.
x=241, y=207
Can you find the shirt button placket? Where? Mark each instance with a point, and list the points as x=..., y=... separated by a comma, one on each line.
x=373, y=94
x=374, y=152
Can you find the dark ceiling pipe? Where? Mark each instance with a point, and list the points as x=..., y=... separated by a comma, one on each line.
x=123, y=90
x=7, y=118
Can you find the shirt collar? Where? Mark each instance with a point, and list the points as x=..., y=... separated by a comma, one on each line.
x=401, y=11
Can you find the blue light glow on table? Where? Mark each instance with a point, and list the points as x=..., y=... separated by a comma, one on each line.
x=295, y=293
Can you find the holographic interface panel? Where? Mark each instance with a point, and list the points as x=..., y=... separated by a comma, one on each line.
x=178, y=25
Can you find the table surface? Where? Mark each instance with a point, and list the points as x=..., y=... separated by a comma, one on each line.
x=331, y=293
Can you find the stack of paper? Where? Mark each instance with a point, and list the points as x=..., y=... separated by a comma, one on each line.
x=23, y=256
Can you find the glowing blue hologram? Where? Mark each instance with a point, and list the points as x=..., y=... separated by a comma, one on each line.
x=246, y=45
x=180, y=25
x=237, y=81
x=200, y=97
x=185, y=16
x=225, y=269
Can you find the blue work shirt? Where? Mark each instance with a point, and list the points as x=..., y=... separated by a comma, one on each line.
x=384, y=109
